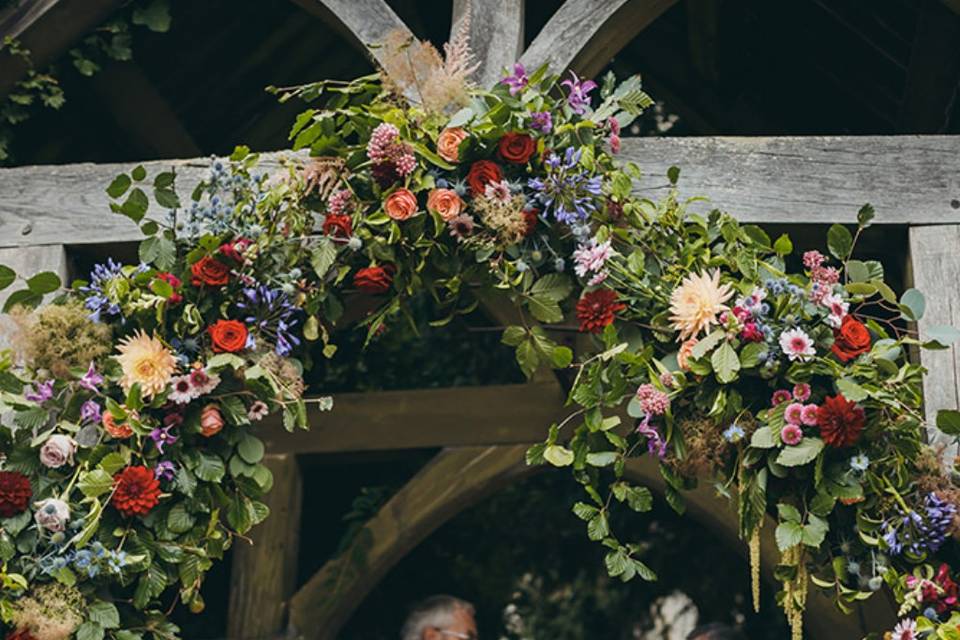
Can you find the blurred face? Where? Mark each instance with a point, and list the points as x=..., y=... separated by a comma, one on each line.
x=462, y=626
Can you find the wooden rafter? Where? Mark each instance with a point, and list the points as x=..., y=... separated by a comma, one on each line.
x=496, y=35
x=46, y=28
x=934, y=71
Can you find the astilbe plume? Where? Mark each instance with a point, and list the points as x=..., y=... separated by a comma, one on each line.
x=50, y=612
x=58, y=337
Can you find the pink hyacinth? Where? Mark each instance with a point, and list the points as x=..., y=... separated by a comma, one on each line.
x=801, y=392
x=780, y=396
x=666, y=379
x=652, y=401
x=793, y=413
x=382, y=141
x=813, y=259
x=809, y=415
x=339, y=202
x=791, y=434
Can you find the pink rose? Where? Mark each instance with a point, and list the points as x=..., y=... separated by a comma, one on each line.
x=211, y=421
x=52, y=514
x=57, y=451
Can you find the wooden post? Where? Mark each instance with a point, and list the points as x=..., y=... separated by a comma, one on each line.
x=264, y=573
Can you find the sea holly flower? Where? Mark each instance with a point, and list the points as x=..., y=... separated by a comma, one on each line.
x=518, y=80
x=578, y=93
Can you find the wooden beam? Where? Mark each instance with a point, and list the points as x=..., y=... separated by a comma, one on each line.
x=935, y=269
x=264, y=570
x=454, y=480
x=496, y=35
x=703, y=38
x=815, y=180
x=46, y=28
x=934, y=71
x=425, y=418
x=585, y=34
x=365, y=23
x=141, y=113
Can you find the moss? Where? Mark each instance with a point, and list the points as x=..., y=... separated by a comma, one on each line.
x=59, y=337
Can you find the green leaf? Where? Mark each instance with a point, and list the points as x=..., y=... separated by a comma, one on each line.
x=725, y=363
x=865, y=216
x=553, y=286
x=750, y=354
x=179, y=519
x=113, y=462
x=119, y=186
x=788, y=512
x=942, y=334
x=912, y=305
x=513, y=336
x=704, y=346
x=322, y=257
x=764, y=438
x=251, y=449
x=800, y=454
x=544, y=309
x=815, y=531
x=788, y=534
x=857, y=271
x=7, y=276
x=673, y=174
x=598, y=527
x=89, y=631
x=23, y=297
x=210, y=468
x=602, y=458
x=561, y=357
x=783, y=246
x=136, y=205
x=95, y=483
x=851, y=390
x=154, y=16
x=528, y=358
x=585, y=511
x=166, y=198
x=44, y=282
x=839, y=241
x=948, y=421
x=105, y=614
x=558, y=456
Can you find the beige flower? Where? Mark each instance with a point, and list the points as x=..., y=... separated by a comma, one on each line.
x=145, y=360
x=696, y=303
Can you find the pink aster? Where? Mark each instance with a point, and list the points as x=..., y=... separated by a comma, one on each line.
x=791, y=434
x=906, y=629
x=780, y=396
x=793, y=413
x=809, y=415
x=801, y=392
x=797, y=345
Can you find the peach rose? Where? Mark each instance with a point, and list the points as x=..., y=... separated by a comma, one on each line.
x=445, y=202
x=401, y=204
x=448, y=143
x=211, y=421
x=686, y=350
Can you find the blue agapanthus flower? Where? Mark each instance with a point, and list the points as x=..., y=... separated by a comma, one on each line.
x=99, y=298
x=271, y=313
x=567, y=191
x=921, y=531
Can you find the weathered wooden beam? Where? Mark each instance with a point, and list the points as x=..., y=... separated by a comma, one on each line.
x=365, y=23
x=815, y=180
x=934, y=71
x=424, y=418
x=46, y=28
x=585, y=34
x=264, y=570
x=454, y=480
x=496, y=35
x=935, y=269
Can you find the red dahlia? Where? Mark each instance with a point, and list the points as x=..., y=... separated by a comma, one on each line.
x=596, y=309
x=20, y=634
x=840, y=421
x=136, y=491
x=15, y=493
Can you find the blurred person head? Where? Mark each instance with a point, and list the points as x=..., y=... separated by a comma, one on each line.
x=716, y=631
x=440, y=617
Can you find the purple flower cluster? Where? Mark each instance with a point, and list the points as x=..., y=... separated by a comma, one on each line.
x=98, y=299
x=578, y=96
x=272, y=314
x=567, y=191
x=655, y=442
x=921, y=531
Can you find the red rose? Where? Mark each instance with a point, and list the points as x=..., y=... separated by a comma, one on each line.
x=338, y=226
x=596, y=310
x=209, y=271
x=228, y=336
x=15, y=493
x=482, y=173
x=374, y=279
x=840, y=421
x=136, y=491
x=516, y=147
x=851, y=339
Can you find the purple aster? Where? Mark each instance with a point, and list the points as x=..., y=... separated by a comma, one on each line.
x=518, y=80
x=541, y=121
x=91, y=380
x=90, y=411
x=165, y=470
x=41, y=393
x=162, y=437
x=655, y=443
x=273, y=315
x=567, y=191
x=579, y=93
x=922, y=531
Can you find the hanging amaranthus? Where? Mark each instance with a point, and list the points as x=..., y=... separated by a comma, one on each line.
x=795, y=591
x=755, y=566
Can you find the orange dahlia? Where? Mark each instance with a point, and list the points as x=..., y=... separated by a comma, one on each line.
x=136, y=491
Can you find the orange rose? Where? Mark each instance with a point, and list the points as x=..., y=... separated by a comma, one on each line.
x=118, y=431
x=401, y=204
x=448, y=143
x=228, y=336
x=445, y=202
x=211, y=421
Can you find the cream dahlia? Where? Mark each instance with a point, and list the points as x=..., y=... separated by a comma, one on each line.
x=696, y=303
x=146, y=361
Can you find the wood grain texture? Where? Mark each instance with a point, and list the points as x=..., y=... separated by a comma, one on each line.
x=264, y=570
x=364, y=22
x=452, y=481
x=817, y=180
x=46, y=28
x=496, y=35
x=424, y=418
x=585, y=34
x=935, y=265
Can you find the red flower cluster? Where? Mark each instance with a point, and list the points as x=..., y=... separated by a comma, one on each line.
x=338, y=226
x=596, y=309
x=374, y=279
x=840, y=421
x=850, y=340
x=228, y=336
x=516, y=148
x=136, y=491
x=530, y=218
x=210, y=271
x=15, y=493
x=946, y=598
x=173, y=281
x=20, y=634
x=482, y=173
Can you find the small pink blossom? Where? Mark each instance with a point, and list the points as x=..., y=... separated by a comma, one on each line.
x=652, y=401
x=801, y=392
x=793, y=413
x=780, y=396
x=809, y=415
x=497, y=191
x=791, y=434
x=666, y=379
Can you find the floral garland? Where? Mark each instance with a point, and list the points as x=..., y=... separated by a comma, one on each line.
x=130, y=402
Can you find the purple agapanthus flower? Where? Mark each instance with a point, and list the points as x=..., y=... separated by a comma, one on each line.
x=90, y=412
x=273, y=315
x=162, y=437
x=165, y=470
x=518, y=80
x=579, y=93
x=98, y=299
x=91, y=380
x=921, y=531
x=567, y=191
x=41, y=393
x=655, y=443
x=541, y=121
